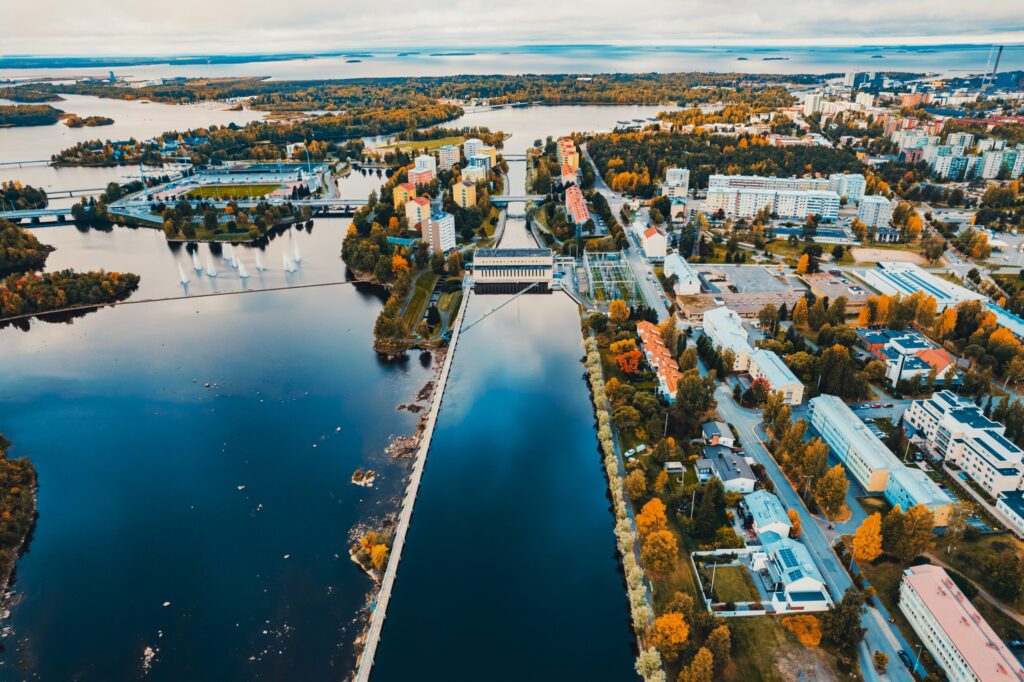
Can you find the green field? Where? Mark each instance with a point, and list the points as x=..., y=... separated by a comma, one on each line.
x=418, y=299
x=734, y=584
x=429, y=145
x=228, y=191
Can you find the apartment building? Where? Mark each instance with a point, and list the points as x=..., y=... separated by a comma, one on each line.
x=448, y=156
x=687, y=282
x=865, y=457
x=875, y=210
x=767, y=365
x=725, y=329
x=439, y=232
x=962, y=643
x=402, y=194
x=956, y=429
x=464, y=194
x=849, y=185
x=471, y=147
x=660, y=358
x=909, y=487
x=677, y=184
x=719, y=181
x=417, y=211
x=797, y=204
x=576, y=205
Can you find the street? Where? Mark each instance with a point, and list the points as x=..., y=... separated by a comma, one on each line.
x=879, y=636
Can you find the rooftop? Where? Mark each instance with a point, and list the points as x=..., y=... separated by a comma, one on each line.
x=979, y=646
x=857, y=435
x=1014, y=499
x=921, y=488
x=512, y=253
x=766, y=508
x=774, y=369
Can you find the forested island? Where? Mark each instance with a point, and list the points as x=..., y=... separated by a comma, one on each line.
x=18, y=115
x=29, y=95
x=17, y=509
x=19, y=197
x=20, y=250
x=25, y=294
x=76, y=121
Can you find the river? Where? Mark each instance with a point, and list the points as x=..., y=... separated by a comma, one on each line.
x=211, y=522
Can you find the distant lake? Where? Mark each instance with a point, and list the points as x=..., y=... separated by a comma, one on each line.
x=944, y=59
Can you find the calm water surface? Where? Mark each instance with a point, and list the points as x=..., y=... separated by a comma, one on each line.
x=155, y=489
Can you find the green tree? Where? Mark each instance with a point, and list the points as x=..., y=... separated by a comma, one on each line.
x=1005, y=573
x=719, y=642
x=710, y=509
x=841, y=625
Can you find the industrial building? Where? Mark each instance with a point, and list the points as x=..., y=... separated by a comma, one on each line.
x=512, y=270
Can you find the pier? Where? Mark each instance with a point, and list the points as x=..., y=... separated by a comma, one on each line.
x=405, y=517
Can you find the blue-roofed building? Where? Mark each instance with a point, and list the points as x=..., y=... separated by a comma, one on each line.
x=1011, y=504
x=909, y=487
x=906, y=279
x=956, y=429
x=790, y=575
x=766, y=514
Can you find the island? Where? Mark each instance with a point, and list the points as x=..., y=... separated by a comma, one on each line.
x=21, y=197
x=32, y=294
x=17, y=509
x=23, y=115
x=20, y=250
x=76, y=121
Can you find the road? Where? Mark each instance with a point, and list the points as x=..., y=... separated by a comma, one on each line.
x=650, y=287
x=879, y=636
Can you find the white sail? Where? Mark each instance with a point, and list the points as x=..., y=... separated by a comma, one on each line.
x=210, y=270
x=181, y=274
x=195, y=261
x=241, y=270
x=259, y=262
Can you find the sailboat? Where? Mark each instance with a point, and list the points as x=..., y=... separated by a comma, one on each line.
x=181, y=274
x=210, y=270
x=195, y=261
x=241, y=270
x=259, y=262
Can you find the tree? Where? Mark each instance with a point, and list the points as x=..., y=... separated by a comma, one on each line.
x=618, y=311
x=768, y=317
x=636, y=485
x=1005, y=572
x=800, y=312
x=651, y=518
x=831, y=490
x=659, y=553
x=695, y=395
x=629, y=362
x=668, y=332
x=794, y=520
x=932, y=247
x=670, y=634
x=701, y=668
x=454, y=264
x=719, y=643
x=881, y=660
x=379, y=556
x=893, y=530
x=807, y=629
x=956, y=524
x=818, y=315
x=804, y=264
x=710, y=509
x=597, y=322
x=918, y=532
x=840, y=625
x=867, y=541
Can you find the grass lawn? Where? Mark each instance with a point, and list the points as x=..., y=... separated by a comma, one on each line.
x=734, y=584
x=418, y=299
x=762, y=649
x=226, y=191
x=971, y=557
x=449, y=302
x=429, y=145
x=872, y=505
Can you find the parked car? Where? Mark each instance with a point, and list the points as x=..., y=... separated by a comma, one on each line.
x=905, y=657
x=630, y=453
x=641, y=448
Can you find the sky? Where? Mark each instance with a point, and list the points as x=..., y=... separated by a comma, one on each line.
x=181, y=27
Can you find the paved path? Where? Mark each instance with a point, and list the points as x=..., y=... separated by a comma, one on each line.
x=405, y=517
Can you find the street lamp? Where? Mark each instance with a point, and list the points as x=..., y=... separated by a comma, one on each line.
x=917, y=659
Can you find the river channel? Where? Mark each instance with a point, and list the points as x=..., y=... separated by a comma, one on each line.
x=194, y=458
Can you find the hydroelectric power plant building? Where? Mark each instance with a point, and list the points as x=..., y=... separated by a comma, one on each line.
x=512, y=270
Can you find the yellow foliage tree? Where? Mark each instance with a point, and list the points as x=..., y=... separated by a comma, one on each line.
x=794, y=520
x=945, y=323
x=806, y=628
x=651, y=518
x=800, y=312
x=670, y=634
x=623, y=346
x=659, y=553
x=867, y=541
x=803, y=264
x=618, y=311
x=379, y=556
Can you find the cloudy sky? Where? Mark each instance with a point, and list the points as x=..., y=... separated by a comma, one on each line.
x=108, y=27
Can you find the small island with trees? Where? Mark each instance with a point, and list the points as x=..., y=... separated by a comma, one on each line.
x=20, y=250
x=20, y=115
x=76, y=121
x=17, y=509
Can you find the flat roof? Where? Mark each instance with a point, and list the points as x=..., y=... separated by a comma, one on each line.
x=774, y=369
x=921, y=488
x=855, y=432
x=512, y=253
x=979, y=646
x=1014, y=499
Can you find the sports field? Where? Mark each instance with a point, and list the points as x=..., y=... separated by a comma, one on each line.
x=228, y=191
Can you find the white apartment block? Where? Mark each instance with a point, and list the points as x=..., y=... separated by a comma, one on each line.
x=963, y=139
x=812, y=103
x=859, y=450
x=958, y=638
x=799, y=204
x=687, y=282
x=849, y=185
x=475, y=174
x=677, y=183
x=766, y=182
x=426, y=162
x=439, y=232
x=1011, y=504
x=955, y=429
x=725, y=329
x=471, y=147
x=875, y=211
x=767, y=365
x=991, y=144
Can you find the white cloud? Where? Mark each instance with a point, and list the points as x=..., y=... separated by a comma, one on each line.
x=104, y=27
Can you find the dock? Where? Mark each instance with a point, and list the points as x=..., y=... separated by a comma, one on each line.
x=405, y=517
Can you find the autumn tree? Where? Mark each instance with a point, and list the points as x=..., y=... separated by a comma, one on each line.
x=618, y=311
x=867, y=541
x=636, y=485
x=800, y=312
x=659, y=553
x=379, y=556
x=670, y=634
x=831, y=490
x=908, y=534
x=701, y=668
x=794, y=521
x=629, y=362
x=804, y=264
x=807, y=628
x=719, y=643
x=651, y=518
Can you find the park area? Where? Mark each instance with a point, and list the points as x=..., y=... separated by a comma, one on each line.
x=418, y=299
x=232, y=191
x=428, y=145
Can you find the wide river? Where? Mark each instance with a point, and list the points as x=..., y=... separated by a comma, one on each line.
x=194, y=458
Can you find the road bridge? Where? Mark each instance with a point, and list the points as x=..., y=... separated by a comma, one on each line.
x=24, y=164
x=509, y=198
x=36, y=214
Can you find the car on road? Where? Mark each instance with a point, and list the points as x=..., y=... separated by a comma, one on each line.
x=888, y=405
x=905, y=657
x=876, y=405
